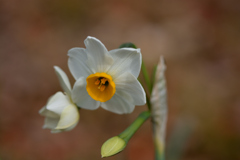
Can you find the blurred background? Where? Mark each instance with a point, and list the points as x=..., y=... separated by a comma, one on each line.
x=198, y=38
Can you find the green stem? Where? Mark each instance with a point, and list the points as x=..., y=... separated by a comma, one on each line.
x=146, y=77
x=129, y=132
x=148, y=103
x=153, y=77
x=159, y=155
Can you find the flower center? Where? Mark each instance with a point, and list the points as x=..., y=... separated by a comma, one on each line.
x=102, y=83
x=100, y=86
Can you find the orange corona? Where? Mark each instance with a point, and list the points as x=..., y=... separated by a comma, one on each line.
x=100, y=86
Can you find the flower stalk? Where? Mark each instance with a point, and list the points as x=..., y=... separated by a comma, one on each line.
x=129, y=132
x=146, y=77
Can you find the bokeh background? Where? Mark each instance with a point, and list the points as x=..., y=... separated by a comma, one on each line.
x=200, y=40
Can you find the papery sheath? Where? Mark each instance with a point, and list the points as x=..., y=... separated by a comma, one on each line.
x=159, y=109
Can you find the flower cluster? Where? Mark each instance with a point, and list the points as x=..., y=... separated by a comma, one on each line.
x=103, y=78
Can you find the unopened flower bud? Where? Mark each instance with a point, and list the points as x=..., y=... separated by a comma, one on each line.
x=113, y=146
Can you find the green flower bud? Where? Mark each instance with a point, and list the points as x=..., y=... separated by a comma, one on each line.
x=113, y=146
x=116, y=144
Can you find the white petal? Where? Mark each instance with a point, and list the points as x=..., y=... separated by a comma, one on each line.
x=81, y=97
x=44, y=112
x=69, y=117
x=63, y=79
x=77, y=63
x=58, y=102
x=125, y=60
x=50, y=123
x=120, y=103
x=99, y=58
x=71, y=127
x=129, y=84
x=62, y=130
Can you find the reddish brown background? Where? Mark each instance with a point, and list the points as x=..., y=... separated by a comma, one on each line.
x=200, y=40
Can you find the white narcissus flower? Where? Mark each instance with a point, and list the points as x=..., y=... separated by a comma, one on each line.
x=61, y=114
x=106, y=78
